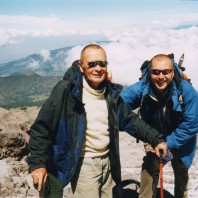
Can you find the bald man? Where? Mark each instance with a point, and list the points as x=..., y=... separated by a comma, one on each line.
x=75, y=136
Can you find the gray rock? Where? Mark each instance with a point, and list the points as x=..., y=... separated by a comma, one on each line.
x=16, y=182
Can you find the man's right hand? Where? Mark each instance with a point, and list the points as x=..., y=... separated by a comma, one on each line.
x=39, y=177
x=161, y=148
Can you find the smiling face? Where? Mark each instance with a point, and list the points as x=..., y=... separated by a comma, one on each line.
x=97, y=74
x=161, y=81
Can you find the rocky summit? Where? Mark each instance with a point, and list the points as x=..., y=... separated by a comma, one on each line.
x=16, y=181
x=14, y=126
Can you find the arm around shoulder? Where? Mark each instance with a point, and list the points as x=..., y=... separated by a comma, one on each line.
x=136, y=127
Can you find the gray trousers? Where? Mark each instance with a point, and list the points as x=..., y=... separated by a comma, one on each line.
x=92, y=178
x=150, y=176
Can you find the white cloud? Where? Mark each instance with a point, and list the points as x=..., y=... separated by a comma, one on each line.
x=136, y=45
x=73, y=54
x=34, y=64
x=24, y=22
x=176, y=18
x=132, y=46
x=10, y=36
x=45, y=55
x=14, y=28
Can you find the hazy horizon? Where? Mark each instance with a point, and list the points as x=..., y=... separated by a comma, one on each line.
x=137, y=30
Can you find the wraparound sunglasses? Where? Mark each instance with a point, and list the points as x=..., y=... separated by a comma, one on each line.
x=95, y=63
x=158, y=71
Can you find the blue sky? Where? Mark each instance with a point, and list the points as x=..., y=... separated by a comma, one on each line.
x=26, y=26
x=73, y=9
x=138, y=28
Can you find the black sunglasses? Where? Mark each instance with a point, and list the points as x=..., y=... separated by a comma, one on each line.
x=158, y=71
x=95, y=63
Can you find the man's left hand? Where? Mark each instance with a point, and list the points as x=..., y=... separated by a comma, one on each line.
x=109, y=76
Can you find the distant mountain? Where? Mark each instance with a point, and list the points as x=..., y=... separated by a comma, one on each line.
x=53, y=66
x=186, y=26
x=29, y=81
x=25, y=89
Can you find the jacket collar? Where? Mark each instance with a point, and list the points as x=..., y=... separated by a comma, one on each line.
x=176, y=93
x=75, y=76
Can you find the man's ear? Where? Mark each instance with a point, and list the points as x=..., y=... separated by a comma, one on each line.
x=173, y=74
x=80, y=66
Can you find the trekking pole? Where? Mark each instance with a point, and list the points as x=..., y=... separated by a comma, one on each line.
x=161, y=176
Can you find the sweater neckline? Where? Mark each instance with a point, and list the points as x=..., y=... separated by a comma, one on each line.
x=96, y=92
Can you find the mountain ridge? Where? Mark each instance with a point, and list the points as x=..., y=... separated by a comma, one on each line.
x=54, y=65
x=26, y=89
x=36, y=63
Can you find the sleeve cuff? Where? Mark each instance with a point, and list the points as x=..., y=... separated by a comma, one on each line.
x=155, y=143
x=37, y=166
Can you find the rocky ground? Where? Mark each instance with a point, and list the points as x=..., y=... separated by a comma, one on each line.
x=16, y=182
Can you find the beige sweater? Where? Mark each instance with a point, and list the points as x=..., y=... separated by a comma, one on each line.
x=96, y=141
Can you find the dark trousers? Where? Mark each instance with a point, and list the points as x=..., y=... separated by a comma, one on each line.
x=150, y=176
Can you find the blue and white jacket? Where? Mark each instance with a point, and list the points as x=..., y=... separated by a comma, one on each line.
x=183, y=137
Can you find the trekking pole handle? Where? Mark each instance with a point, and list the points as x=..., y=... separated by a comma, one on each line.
x=161, y=156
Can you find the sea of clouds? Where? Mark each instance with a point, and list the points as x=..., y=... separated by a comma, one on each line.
x=131, y=46
x=128, y=48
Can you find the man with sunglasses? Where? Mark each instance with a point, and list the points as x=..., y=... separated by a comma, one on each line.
x=75, y=136
x=170, y=104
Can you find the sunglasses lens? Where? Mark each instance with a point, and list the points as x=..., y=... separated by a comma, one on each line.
x=92, y=64
x=103, y=63
x=155, y=71
x=166, y=71
x=100, y=63
x=158, y=71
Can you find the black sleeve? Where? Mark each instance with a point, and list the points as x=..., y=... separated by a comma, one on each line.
x=43, y=129
x=132, y=124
